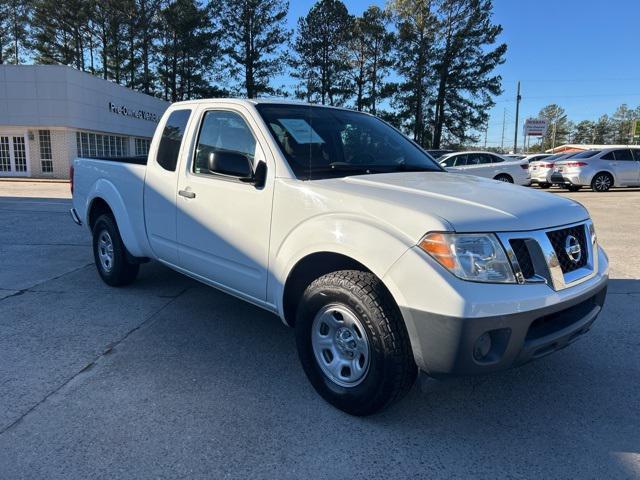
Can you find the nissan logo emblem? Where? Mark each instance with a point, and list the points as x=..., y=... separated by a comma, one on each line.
x=573, y=249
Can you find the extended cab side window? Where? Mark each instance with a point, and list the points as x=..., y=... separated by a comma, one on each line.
x=171, y=140
x=222, y=131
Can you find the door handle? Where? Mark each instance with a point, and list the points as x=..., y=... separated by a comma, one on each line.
x=187, y=193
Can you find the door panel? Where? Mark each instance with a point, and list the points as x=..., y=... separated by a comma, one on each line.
x=625, y=167
x=160, y=187
x=223, y=223
x=19, y=155
x=13, y=155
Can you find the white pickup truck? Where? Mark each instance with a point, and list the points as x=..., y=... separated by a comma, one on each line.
x=383, y=263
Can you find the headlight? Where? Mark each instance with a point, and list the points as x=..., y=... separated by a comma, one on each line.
x=476, y=257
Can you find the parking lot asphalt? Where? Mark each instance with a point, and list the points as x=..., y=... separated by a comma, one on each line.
x=171, y=379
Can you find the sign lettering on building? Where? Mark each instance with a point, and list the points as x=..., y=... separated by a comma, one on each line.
x=133, y=112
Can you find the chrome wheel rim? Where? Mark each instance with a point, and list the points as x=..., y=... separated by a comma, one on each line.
x=105, y=251
x=340, y=345
x=603, y=183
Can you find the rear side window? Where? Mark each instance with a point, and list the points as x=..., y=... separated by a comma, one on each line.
x=636, y=153
x=461, y=160
x=587, y=154
x=172, y=139
x=624, y=155
x=608, y=156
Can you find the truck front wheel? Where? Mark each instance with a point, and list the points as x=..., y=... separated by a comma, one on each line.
x=110, y=254
x=352, y=342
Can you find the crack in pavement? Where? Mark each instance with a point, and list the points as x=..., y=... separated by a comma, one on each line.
x=28, y=289
x=107, y=351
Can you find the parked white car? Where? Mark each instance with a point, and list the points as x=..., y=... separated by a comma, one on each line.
x=488, y=165
x=541, y=170
x=381, y=261
x=599, y=169
x=537, y=156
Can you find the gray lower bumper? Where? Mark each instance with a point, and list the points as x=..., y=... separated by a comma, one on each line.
x=452, y=346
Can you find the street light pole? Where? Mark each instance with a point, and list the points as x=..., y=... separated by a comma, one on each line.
x=515, y=139
x=504, y=117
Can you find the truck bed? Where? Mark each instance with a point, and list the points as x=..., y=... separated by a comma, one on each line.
x=120, y=181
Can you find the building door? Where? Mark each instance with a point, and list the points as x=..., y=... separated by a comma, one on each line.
x=13, y=156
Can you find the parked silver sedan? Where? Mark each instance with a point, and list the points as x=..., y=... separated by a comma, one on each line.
x=599, y=169
x=541, y=170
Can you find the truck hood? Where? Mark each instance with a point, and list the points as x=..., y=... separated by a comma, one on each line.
x=466, y=203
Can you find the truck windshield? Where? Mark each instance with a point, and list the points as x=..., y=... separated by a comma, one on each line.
x=321, y=142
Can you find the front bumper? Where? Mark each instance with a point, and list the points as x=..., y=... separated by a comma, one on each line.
x=446, y=317
x=459, y=346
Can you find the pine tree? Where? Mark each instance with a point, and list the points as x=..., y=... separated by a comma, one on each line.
x=370, y=58
x=416, y=29
x=584, y=132
x=622, y=124
x=464, y=65
x=15, y=16
x=254, y=41
x=320, y=60
x=187, y=50
x=558, y=128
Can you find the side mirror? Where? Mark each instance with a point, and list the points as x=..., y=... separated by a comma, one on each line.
x=230, y=163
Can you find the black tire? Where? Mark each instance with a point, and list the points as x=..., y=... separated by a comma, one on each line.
x=503, y=177
x=119, y=270
x=544, y=186
x=391, y=368
x=602, y=182
x=573, y=188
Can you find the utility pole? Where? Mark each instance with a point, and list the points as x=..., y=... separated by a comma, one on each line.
x=486, y=129
x=515, y=139
x=504, y=117
x=555, y=124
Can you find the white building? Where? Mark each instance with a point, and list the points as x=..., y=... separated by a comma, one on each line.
x=50, y=114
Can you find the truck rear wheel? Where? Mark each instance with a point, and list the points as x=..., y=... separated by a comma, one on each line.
x=352, y=342
x=110, y=254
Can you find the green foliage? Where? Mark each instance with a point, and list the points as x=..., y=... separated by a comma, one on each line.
x=255, y=40
x=370, y=59
x=14, y=20
x=464, y=62
x=416, y=31
x=559, y=127
x=321, y=50
x=189, y=47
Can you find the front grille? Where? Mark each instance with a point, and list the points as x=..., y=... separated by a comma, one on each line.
x=558, y=240
x=523, y=256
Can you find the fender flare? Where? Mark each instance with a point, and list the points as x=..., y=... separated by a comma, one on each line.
x=370, y=243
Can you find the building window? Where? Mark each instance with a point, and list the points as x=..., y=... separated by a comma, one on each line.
x=92, y=145
x=46, y=158
x=142, y=146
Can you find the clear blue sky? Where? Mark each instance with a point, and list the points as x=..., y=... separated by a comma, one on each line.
x=582, y=54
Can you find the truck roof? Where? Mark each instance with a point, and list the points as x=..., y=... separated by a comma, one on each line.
x=256, y=101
